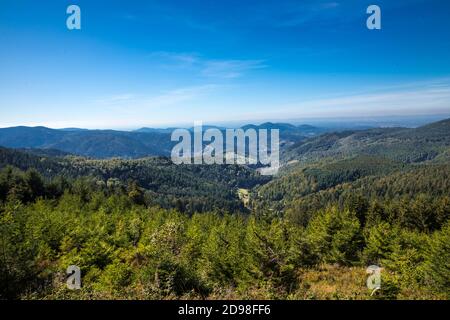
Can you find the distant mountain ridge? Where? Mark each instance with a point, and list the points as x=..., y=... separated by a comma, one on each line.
x=104, y=144
x=298, y=143
x=92, y=143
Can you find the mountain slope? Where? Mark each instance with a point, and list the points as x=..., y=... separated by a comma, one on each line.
x=381, y=164
x=406, y=145
x=191, y=188
x=91, y=143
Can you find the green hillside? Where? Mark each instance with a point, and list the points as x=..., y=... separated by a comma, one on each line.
x=406, y=145
x=187, y=187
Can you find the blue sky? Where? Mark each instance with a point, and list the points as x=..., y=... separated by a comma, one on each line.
x=157, y=63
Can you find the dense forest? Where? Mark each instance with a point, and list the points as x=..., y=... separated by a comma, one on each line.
x=188, y=188
x=148, y=229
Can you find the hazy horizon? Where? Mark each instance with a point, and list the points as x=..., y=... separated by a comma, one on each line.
x=409, y=121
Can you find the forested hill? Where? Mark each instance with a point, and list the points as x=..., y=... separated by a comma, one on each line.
x=92, y=143
x=401, y=173
x=411, y=194
x=188, y=188
x=403, y=144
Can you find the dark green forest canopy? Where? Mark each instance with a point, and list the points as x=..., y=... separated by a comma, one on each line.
x=190, y=188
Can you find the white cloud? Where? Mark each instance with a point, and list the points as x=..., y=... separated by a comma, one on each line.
x=210, y=68
x=115, y=99
x=425, y=99
x=230, y=68
x=132, y=103
x=176, y=96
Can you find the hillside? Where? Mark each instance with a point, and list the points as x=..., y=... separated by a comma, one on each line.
x=384, y=164
x=371, y=182
x=91, y=143
x=189, y=188
x=402, y=144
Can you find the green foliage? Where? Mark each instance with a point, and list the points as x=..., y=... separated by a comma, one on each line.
x=415, y=197
x=438, y=261
x=126, y=249
x=380, y=240
x=337, y=236
x=149, y=181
